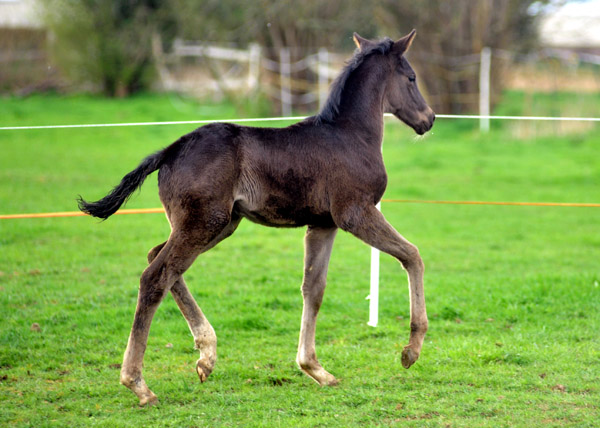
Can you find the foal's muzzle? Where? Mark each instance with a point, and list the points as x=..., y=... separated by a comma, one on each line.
x=426, y=122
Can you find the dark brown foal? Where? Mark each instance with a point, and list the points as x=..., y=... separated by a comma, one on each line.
x=325, y=172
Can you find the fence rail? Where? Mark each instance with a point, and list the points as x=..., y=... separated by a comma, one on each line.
x=305, y=81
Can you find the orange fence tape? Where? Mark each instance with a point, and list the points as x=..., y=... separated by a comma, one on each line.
x=527, y=204
x=79, y=213
x=407, y=201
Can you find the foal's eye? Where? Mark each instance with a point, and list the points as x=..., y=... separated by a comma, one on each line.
x=412, y=78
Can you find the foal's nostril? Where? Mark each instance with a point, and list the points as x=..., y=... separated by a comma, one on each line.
x=431, y=119
x=425, y=121
x=431, y=116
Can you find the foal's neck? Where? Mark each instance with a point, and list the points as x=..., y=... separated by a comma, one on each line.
x=362, y=108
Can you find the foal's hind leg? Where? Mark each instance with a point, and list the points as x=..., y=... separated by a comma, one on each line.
x=371, y=226
x=205, y=339
x=172, y=261
x=318, y=243
x=155, y=282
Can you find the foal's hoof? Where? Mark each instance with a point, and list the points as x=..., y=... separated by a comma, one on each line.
x=408, y=357
x=151, y=400
x=203, y=371
x=332, y=381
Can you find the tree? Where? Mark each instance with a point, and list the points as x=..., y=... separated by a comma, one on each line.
x=451, y=35
x=273, y=23
x=300, y=26
x=106, y=43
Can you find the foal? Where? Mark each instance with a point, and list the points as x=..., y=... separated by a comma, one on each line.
x=325, y=172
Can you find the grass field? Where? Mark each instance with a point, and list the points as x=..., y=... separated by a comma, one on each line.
x=513, y=293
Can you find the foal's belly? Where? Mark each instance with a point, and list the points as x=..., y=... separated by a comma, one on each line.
x=282, y=212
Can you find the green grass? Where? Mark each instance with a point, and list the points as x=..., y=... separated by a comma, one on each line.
x=513, y=293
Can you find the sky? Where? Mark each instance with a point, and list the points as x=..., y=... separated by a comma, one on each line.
x=569, y=7
x=575, y=24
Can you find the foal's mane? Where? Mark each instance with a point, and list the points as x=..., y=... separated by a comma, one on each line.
x=332, y=106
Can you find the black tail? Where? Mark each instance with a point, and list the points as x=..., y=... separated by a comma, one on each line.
x=108, y=205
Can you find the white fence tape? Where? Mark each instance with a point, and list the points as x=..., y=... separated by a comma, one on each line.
x=288, y=118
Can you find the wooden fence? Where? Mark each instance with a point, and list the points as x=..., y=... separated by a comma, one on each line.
x=207, y=69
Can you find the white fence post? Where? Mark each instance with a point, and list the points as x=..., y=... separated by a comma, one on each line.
x=484, y=88
x=253, y=66
x=159, y=58
x=323, y=76
x=374, y=288
x=285, y=82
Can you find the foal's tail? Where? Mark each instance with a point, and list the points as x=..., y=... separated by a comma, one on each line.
x=108, y=205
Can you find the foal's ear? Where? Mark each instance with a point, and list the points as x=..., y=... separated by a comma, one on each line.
x=361, y=43
x=403, y=44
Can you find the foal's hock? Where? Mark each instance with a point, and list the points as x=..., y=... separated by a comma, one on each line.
x=325, y=172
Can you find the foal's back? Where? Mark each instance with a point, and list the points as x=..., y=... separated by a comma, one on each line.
x=283, y=177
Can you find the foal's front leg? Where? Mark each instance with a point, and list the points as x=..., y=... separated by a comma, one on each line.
x=318, y=244
x=370, y=225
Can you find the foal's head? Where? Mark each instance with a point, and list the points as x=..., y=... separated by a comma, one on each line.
x=402, y=96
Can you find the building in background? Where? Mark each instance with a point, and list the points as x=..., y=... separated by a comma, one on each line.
x=573, y=26
x=568, y=58
x=19, y=14
x=24, y=63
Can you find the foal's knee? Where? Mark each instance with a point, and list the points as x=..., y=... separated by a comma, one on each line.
x=419, y=326
x=411, y=259
x=313, y=284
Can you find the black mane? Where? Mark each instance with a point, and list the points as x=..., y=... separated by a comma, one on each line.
x=332, y=106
